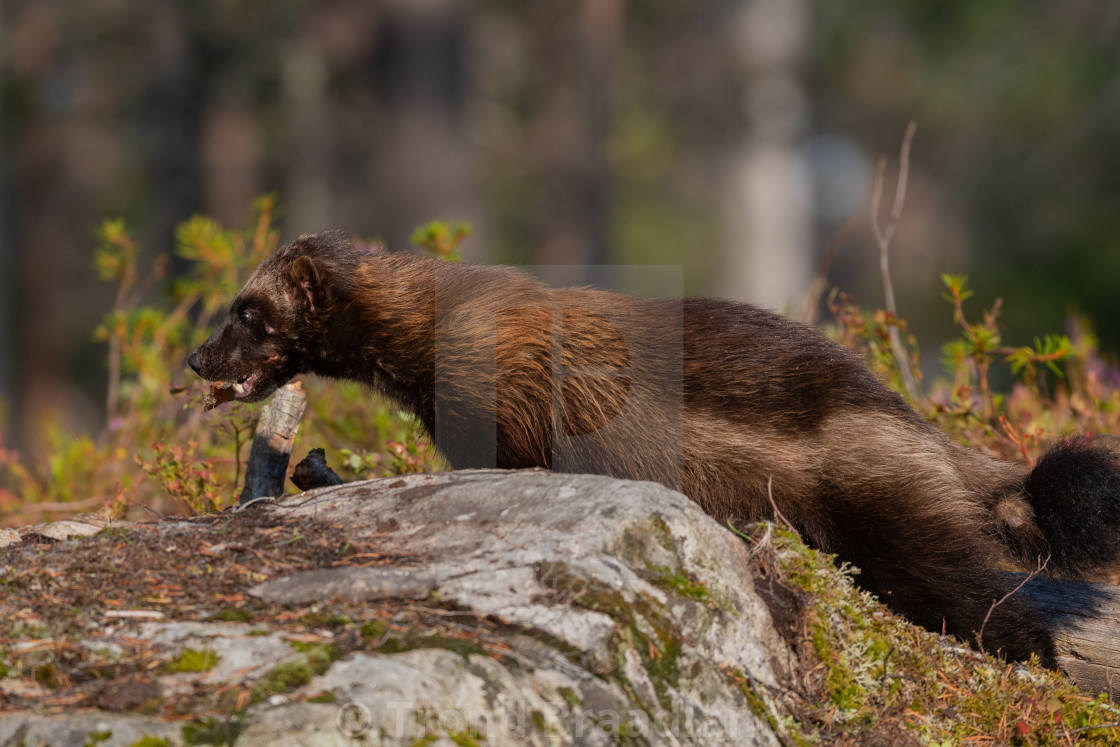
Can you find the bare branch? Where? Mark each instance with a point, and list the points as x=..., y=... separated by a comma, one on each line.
x=883, y=235
x=980, y=633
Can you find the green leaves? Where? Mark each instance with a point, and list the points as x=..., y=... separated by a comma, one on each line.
x=157, y=445
x=441, y=239
x=981, y=341
x=188, y=478
x=115, y=257
x=956, y=284
x=1048, y=350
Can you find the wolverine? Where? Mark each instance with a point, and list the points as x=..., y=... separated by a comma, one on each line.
x=741, y=409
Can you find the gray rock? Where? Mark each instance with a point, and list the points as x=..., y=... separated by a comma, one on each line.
x=587, y=561
x=80, y=729
x=355, y=584
x=67, y=528
x=9, y=537
x=629, y=615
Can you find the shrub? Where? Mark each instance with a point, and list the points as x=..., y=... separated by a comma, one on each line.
x=158, y=447
x=1060, y=384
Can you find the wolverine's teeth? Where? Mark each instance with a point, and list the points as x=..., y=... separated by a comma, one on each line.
x=239, y=388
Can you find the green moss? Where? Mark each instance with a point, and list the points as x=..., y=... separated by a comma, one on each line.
x=231, y=614
x=282, y=678
x=644, y=626
x=35, y=631
x=570, y=696
x=190, y=660
x=679, y=582
x=150, y=741
x=875, y=666
x=119, y=533
x=540, y=722
x=424, y=741
x=213, y=731
x=95, y=738
x=461, y=646
x=787, y=728
x=372, y=630
x=469, y=738
x=663, y=534
x=314, y=659
x=324, y=697
x=47, y=675
x=325, y=620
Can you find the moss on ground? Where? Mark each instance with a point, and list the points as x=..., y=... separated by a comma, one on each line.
x=190, y=660
x=150, y=741
x=213, y=731
x=314, y=659
x=881, y=678
x=231, y=614
x=410, y=642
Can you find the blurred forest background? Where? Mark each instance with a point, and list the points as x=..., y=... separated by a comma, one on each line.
x=732, y=138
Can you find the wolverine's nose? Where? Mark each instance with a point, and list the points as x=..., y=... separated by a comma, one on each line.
x=194, y=362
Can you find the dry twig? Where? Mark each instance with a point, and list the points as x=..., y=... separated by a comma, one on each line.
x=770, y=495
x=980, y=633
x=883, y=235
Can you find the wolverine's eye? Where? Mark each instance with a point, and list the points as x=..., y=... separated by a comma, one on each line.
x=244, y=316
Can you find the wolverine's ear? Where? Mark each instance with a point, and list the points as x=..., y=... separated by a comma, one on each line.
x=305, y=286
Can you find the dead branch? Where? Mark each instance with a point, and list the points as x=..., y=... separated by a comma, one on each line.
x=883, y=235
x=980, y=633
x=770, y=495
x=272, y=445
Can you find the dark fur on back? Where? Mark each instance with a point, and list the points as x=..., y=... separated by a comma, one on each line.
x=710, y=397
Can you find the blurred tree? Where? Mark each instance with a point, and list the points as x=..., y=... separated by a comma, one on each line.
x=768, y=224
x=565, y=133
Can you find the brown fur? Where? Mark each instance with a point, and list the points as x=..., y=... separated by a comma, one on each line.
x=710, y=397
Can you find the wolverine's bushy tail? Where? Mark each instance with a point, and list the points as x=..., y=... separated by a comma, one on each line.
x=1075, y=493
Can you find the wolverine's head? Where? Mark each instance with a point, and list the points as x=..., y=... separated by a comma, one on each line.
x=278, y=321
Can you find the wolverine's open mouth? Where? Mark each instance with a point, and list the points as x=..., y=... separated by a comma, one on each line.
x=226, y=391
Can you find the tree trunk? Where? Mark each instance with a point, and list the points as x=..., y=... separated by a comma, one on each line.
x=768, y=234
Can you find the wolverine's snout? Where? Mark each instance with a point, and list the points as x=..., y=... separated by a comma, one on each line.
x=194, y=361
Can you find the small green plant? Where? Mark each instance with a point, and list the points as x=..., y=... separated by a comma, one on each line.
x=158, y=446
x=679, y=582
x=441, y=239
x=1059, y=384
x=182, y=475
x=399, y=458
